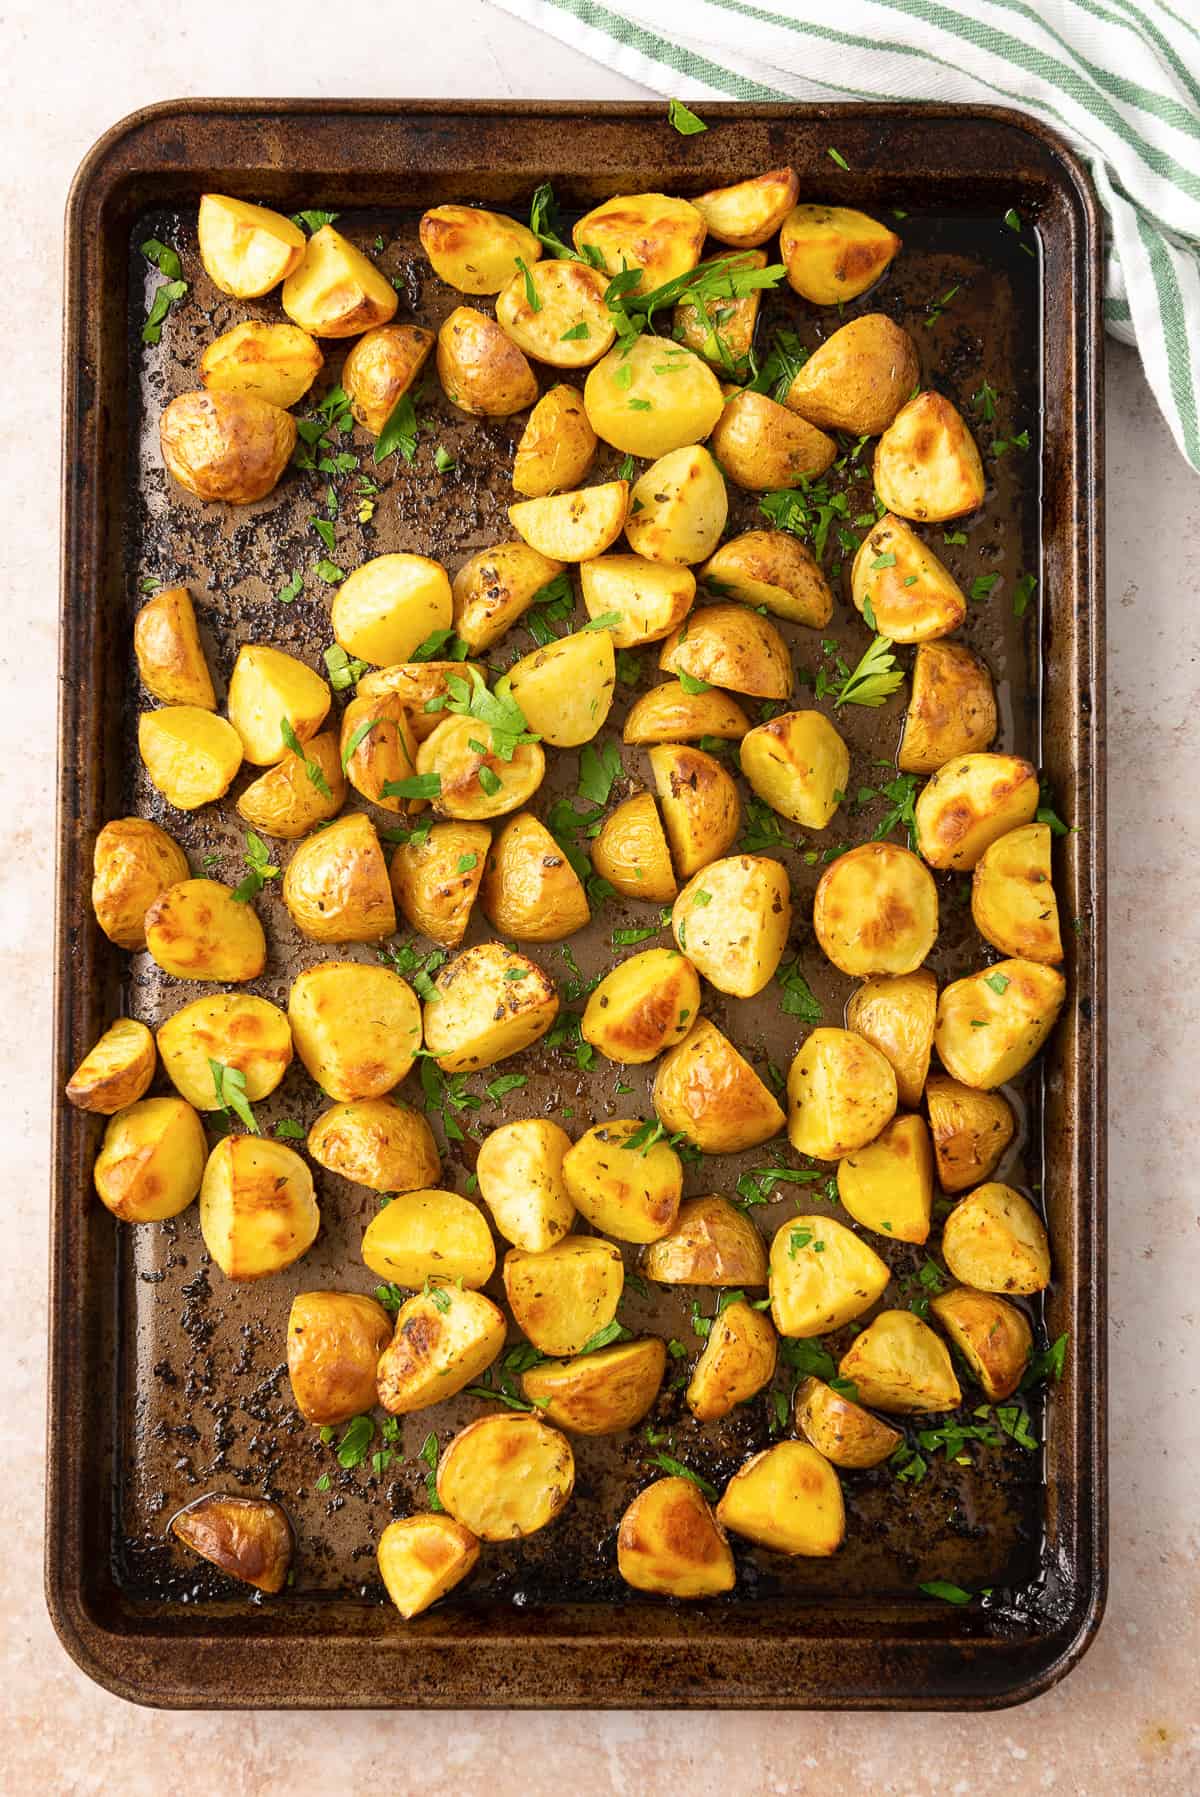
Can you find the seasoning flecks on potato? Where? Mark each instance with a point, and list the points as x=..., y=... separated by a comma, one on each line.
x=732, y=919
x=911, y=595
x=710, y=1093
x=951, y=708
x=276, y=362
x=896, y=1014
x=476, y=250
x=730, y=646
x=771, y=568
x=258, y=1209
x=834, y=253
x=226, y=446
x=198, y=930
x=376, y=1142
x=749, y=212
x=876, y=910
x=900, y=1366
x=356, y=1027
x=927, y=462
x=558, y=445
x=336, y=884
x=645, y=1005
x=334, y=1340
x=737, y=1361
x=489, y=1003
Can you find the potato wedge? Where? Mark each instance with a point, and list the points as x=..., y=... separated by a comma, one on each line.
x=170, y=658
x=708, y=1092
x=566, y=323
x=601, y=1392
x=970, y=1131
x=482, y=371
x=834, y=253
x=722, y=331
x=631, y=1193
x=748, y=213
x=192, y=756
x=643, y=600
x=771, y=568
x=116, y=1071
x=951, y=708
x=651, y=231
x=519, y=1168
x=712, y=1243
x=762, y=446
x=888, y=1185
x=197, y=930
x=356, y=1027
x=912, y=597
x=858, y=379
x=566, y=688
x=258, y=1210
x=558, y=445
x=899, y=1365
x=435, y=879
x=876, y=910
x=378, y=750
x=647, y=1003
x=267, y=688
x=821, y=1276
x=246, y=250
x=423, y=1557
x=530, y=891
x=732, y=921
x=562, y=1297
x=670, y=1542
x=969, y=804
x=248, y=1538
x=993, y=1338
x=731, y=646
x=476, y=250
x=151, y=1160
x=738, y=1360
x=443, y=1340
x=336, y=885
x=276, y=362
x=840, y=1429
x=298, y=793
x=506, y=1476
x=787, y=1498
x=668, y=714
x=472, y=781
x=927, y=464
x=799, y=765
x=1012, y=895
x=337, y=291
x=896, y=1015
x=491, y=1003
x=380, y=370
x=417, y=683
x=841, y=1093
x=995, y=1241
x=631, y=851
x=386, y=609
x=652, y=396
x=678, y=507
x=133, y=862
x=430, y=1236
x=991, y=1024
x=701, y=811
x=235, y=1029
x=334, y=1340
x=227, y=446
x=376, y=1142
x=573, y=527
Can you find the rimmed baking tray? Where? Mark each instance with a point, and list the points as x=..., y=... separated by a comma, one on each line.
x=165, y=1382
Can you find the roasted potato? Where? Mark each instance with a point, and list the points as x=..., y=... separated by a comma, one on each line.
x=737, y=1361
x=356, y=1027
x=566, y=688
x=250, y=1035
x=435, y=879
x=230, y=446
x=858, y=379
x=336, y=291
x=647, y=1003
x=731, y=646
x=191, y=756
x=170, y=658
x=386, y=609
x=840, y=1429
x=951, y=708
x=991, y=1024
x=379, y=750
x=888, y=1185
x=376, y=1142
x=248, y=1538
x=558, y=445
x=761, y=446
x=258, y=1210
x=732, y=921
x=678, y=507
x=491, y=1003
x=519, y=1168
x=652, y=231
x=995, y=1241
x=899, y=1365
x=668, y=714
x=771, y=568
x=748, y=213
x=473, y=781
x=708, y=1092
x=896, y=1015
x=197, y=930
x=475, y=250
x=334, y=1340
x=701, y=811
x=246, y=250
x=443, y=1340
x=423, y=1557
x=670, y=1542
x=631, y=851
x=276, y=362
x=116, y=1071
x=267, y=688
x=787, y=1498
x=133, y=862
x=380, y=370
x=631, y=1193
x=563, y=1296
x=1012, y=895
x=648, y=598
x=927, y=465
x=482, y=371
x=799, y=765
x=506, y=1476
x=911, y=596
x=151, y=1160
x=969, y=803
x=876, y=910
x=722, y=331
x=336, y=885
x=822, y=1276
x=970, y=1131
x=993, y=1338
x=556, y=313
x=299, y=792
x=530, y=891
x=417, y=683
x=652, y=396
x=841, y=1093
x=601, y=1392
x=833, y=253
x=712, y=1243
x=573, y=527
x=430, y=1236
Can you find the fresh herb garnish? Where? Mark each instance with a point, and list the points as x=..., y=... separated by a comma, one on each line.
x=874, y=679
x=684, y=120
x=950, y=1594
x=678, y=1470
x=1022, y=593
x=229, y=1084
x=400, y=432
x=292, y=741
x=836, y=156
x=798, y=999
x=258, y=859
x=314, y=219
x=430, y=1455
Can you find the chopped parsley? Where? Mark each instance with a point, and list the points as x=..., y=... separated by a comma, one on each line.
x=262, y=869
x=229, y=1084
x=678, y=1470
x=683, y=119
x=874, y=679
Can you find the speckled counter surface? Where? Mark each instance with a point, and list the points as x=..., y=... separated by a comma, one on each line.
x=1128, y=1720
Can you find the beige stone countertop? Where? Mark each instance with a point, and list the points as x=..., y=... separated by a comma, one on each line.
x=1128, y=1719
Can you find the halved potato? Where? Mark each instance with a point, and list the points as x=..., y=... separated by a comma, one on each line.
x=951, y=708
x=994, y=1240
x=970, y=1130
x=771, y=568
x=732, y=921
x=668, y=714
x=991, y=1024
x=151, y=1160
x=170, y=658
x=336, y=291
x=631, y=851
x=993, y=1338
x=481, y=370
x=834, y=253
x=563, y=1296
x=491, y=1003
x=822, y=1276
x=566, y=322
x=749, y=212
x=708, y=1092
x=197, y=930
x=857, y=380
x=969, y=803
x=761, y=446
x=474, y=782
x=731, y=646
x=722, y=328
x=896, y=1015
x=876, y=910
x=116, y=1071
x=1012, y=895
x=423, y=1557
x=652, y=231
x=226, y=446
x=378, y=749
x=840, y=1429
x=670, y=1542
x=277, y=362
x=247, y=1538
x=376, y=1142
x=530, y=891
x=443, y=1339
x=601, y=1392
x=356, y=1027
x=384, y=610
x=435, y=880
x=647, y=1003
x=888, y=1185
x=650, y=598
x=430, y=1236
x=506, y=1476
x=787, y=1498
x=800, y=765
x=899, y=1365
x=246, y=250
x=132, y=863
x=573, y=527
x=476, y=250
x=678, y=507
x=519, y=1168
x=299, y=792
x=711, y=1243
x=334, y=1340
x=651, y=396
x=418, y=683
x=927, y=464
x=566, y=688
x=267, y=688
x=701, y=811
x=336, y=885
x=912, y=597
x=380, y=370
x=235, y=1029
x=841, y=1093
x=258, y=1210
x=630, y=1193
x=191, y=756
x=558, y=445
x=737, y=1361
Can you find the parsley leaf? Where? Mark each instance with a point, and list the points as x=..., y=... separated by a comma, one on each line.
x=874, y=679
x=798, y=999
x=311, y=768
x=836, y=156
x=314, y=219
x=400, y=432
x=684, y=120
x=679, y=1471
x=229, y=1084
x=950, y=1594
x=599, y=770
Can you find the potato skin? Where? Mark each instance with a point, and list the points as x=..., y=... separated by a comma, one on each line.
x=437, y=1348
x=707, y=1091
x=558, y=445
x=356, y=1027
x=670, y=1542
x=336, y=291
x=384, y=755
x=246, y=250
x=631, y=851
x=196, y=930
x=385, y=609
x=969, y=803
x=652, y=597
x=951, y=708
x=422, y=1557
x=731, y=646
x=566, y=688
x=995, y=1241
x=248, y=1538
x=480, y=1016
x=505, y=1477
x=645, y=1004
x=448, y=754
x=840, y=1429
x=336, y=885
x=834, y=253
x=737, y=1360
x=191, y=755
x=798, y=763
x=652, y=398
x=258, y=1210
x=1012, y=896
x=562, y=1296
x=475, y=250
x=569, y=294
x=652, y=231
x=630, y=1193
x=435, y=881
x=857, y=380
x=170, y=658
x=573, y=527
x=915, y=598
x=666, y=714
x=749, y=212
x=736, y=935
x=286, y=801
x=226, y=446
x=896, y=1014
x=151, y=1160
x=927, y=463
x=380, y=369
x=602, y=1392
x=678, y=507
x=482, y=371
x=888, y=1185
x=984, y=1037
x=771, y=568
x=701, y=811
x=133, y=862
x=876, y=910
x=334, y=1340
x=116, y=1071
x=376, y=1142
x=970, y=1130
x=275, y=362
x=899, y=1365
x=248, y=1034
x=519, y=1168
x=789, y=1498
x=266, y=686
x=841, y=1093
x=711, y=1244
x=429, y=1236
x=822, y=1276
x=993, y=1338
x=762, y=446
x=530, y=891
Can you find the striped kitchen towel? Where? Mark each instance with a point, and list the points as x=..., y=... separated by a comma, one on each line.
x=1119, y=80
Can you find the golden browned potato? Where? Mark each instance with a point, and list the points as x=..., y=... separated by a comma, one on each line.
x=631, y=851
x=822, y=1276
x=506, y=1476
x=1012, y=895
x=563, y=1296
x=336, y=884
x=991, y=1024
x=380, y=369
x=712, y=1243
x=246, y=250
x=357, y=1027
x=857, y=380
x=491, y=1003
x=970, y=1130
x=376, y=1142
x=250, y=1035
x=841, y=1093
x=731, y=646
x=299, y=792
x=709, y=1093
x=896, y=1015
x=276, y=362
x=670, y=1542
x=951, y=708
x=876, y=910
x=969, y=803
x=927, y=464
x=151, y=1161
x=833, y=253
x=133, y=862
x=258, y=1210
x=116, y=1071
x=722, y=331
x=379, y=750
x=631, y=1193
x=771, y=568
x=994, y=1240
x=738, y=1360
x=911, y=595
x=566, y=688
x=762, y=446
x=643, y=600
x=417, y=683
x=668, y=714
x=993, y=1338
x=385, y=610
x=701, y=811
x=481, y=370
x=197, y=930
x=519, y=1168
x=336, y=291
x=601, y=1392
x=334, y=1340
x=678, y=507
x=799, y=764
x=443, y=1340
x=475, y=250
x=556, y=313
x=230, y=446
x=530, y=891
x=888, y=1185
x=573, y=527
x=248, y=1538
x=732, y=921
x=435, y=880
x=651, y=231
x=430, y=1235
x=788, y=1498
x=267, y=688
x=191, y=756
x=899, y=1365
x=170, y=658
x=558, y=445
x=423, y=1557
x=644, y=1005
x=748, y=213
x=652, y=396
x=840, y=1429
x=468, y=779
